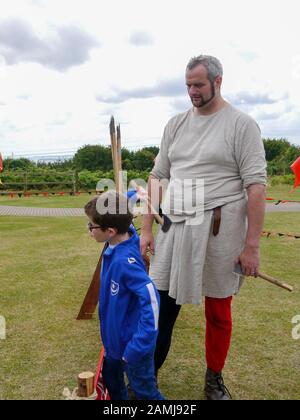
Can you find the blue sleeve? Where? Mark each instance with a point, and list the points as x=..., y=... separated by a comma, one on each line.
x=131, y=193
x=144, y=340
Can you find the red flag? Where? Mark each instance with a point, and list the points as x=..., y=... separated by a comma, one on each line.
x=1, y=163
x=101, y=389
x=295, y=167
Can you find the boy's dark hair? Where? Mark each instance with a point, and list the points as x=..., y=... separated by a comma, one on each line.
x=110, y=210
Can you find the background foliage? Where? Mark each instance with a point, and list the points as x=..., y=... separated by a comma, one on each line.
x=94, y=162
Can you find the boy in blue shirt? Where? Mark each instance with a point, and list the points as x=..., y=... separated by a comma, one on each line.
x=128, y=301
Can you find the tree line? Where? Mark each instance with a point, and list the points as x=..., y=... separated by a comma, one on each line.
x=91, y=158
x=280, y=154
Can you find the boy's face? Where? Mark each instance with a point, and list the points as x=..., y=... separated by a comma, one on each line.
x=98, y=234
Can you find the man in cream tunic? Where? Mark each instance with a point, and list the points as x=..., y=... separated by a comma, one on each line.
x=216, y=146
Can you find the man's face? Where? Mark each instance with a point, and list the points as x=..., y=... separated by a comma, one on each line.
x=200, y=89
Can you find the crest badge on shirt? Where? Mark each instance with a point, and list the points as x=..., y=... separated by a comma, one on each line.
x=114, y=288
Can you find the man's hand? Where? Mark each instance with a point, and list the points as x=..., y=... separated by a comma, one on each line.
x=249, y=260
x=146, y=242
x=146, y=237
x=249, y=257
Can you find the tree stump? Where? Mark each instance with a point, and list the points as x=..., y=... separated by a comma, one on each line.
x=85, y=384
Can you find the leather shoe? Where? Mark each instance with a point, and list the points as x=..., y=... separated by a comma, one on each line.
x=215, y=390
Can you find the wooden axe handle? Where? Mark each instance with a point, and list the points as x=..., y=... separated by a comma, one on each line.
x=275, y=281
x=157, y=217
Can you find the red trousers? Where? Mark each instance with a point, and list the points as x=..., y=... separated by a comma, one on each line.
x=218, y=331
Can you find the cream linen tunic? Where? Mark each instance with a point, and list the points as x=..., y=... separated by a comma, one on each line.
x=226, y=151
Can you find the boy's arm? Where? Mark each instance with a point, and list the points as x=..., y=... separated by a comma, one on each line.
x=144, y=339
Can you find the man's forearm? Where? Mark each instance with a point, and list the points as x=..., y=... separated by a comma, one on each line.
x=255, y=211
x=154, y=199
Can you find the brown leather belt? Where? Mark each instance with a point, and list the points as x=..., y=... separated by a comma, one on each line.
x=217, y=220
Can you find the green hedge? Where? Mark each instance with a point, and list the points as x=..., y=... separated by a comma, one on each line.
x=52, y=180
x=282, y=180
x=89, y=180
x=36, y=180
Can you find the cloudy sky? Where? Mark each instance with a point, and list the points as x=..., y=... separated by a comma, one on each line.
x=67, y=65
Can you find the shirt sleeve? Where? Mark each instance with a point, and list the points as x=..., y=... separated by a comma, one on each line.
x=162, y=165
x=250, y=154
x=144, y=339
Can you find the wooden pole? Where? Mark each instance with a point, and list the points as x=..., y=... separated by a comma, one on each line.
x=119, y=159
x=275, y=281
x=114, y=151
x=157, y=217
x=25, y=182
x=92, y=296
x=91, y=299
x=74, y=180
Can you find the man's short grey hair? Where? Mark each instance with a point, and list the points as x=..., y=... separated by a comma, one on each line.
x=212, y=64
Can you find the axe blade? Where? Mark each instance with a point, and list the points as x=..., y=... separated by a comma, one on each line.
x=167, y=224
x=238, y=269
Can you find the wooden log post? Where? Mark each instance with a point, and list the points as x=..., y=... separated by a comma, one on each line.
x=85, y=384
x=75, y=181
x=25, y=182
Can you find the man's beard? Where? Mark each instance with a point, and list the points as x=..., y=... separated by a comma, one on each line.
x=207, y=101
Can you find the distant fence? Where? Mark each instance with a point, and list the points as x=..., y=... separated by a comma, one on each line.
x=26, y=182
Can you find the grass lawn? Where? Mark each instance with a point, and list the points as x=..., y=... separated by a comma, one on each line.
x=283, y=192
x=283, y=222
x=264, y=359
x=279, y=192
x=51, y=201
x=45, y=268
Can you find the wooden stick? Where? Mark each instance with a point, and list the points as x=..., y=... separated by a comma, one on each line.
x=157, y=217
x=114, y=152
x=92, y=296
x=119, y=158
x=119, y=147
x=275, y=281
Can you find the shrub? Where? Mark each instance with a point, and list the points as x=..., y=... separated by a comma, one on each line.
x=282, y=179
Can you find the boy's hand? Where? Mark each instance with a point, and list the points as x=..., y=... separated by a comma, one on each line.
x=147, y=242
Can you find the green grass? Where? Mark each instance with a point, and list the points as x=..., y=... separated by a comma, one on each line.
x=263, y=362
x=283, y=192
x=279, y=192
x=51, y=201
x=46, y=266
x=283, y=222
